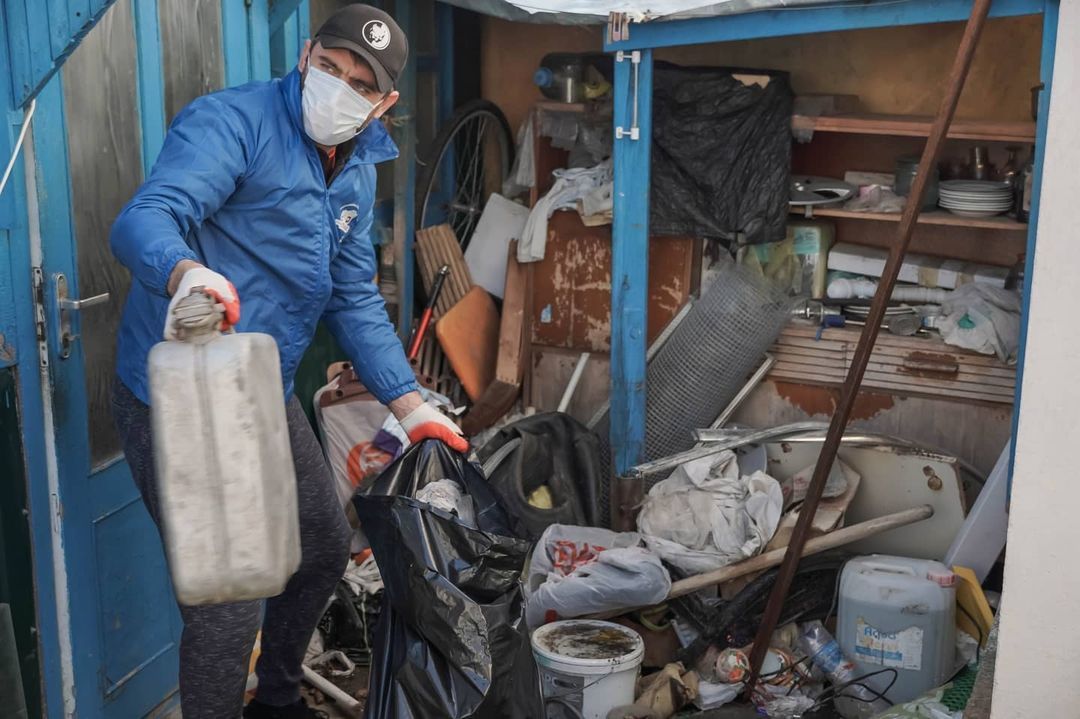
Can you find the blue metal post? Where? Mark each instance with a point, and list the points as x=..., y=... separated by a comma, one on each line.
x=234, y=42
x=444, y=83
x=405, y=178
x=303, y=24
x=630, y=251
x=151, y=81
x=1046, y=76
x=259, y=39
x=280, y=11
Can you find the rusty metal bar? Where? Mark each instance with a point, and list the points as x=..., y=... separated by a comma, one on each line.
x=961, y=64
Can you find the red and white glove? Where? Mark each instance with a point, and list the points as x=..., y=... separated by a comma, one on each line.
x=212, y=284
x=426, y=422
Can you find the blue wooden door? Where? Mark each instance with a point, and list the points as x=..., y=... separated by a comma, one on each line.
x=86, y=152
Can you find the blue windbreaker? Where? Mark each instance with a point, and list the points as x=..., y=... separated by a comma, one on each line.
x=239, y=187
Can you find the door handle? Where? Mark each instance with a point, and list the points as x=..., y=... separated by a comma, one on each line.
x=67, y=305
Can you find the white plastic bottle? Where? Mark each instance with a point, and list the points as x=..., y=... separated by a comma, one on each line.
x=224, y=467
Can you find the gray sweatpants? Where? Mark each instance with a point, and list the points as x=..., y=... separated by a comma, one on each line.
x=216, y=644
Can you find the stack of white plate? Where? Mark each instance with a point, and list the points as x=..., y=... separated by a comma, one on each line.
x=975, y=198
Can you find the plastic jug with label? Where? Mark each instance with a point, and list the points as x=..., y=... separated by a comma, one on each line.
x=223, y=461
x=899, y=613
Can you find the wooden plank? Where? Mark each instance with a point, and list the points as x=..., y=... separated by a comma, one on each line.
x=469, y=335
x=435, y=247
x=802, y=376
x=901, y=358
x=887, y=342
x=500, y=395
x=917, y=126
x=571, y=300
x=890, y=381
x=933, y=217
x=551, y=370
x=914, y=363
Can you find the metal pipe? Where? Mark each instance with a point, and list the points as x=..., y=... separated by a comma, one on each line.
x=850, y=391
x=751, y=437
x=571, y=386
x=753, y=382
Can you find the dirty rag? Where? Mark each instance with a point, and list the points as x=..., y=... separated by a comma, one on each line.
x=570, y=186
x=982, y=318
x=706, y=516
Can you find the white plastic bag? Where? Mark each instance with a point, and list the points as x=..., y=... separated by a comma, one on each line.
x=979, y=317
x=705, y=516
x=623, y=575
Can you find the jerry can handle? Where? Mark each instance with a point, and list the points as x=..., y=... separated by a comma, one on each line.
x=199, y=316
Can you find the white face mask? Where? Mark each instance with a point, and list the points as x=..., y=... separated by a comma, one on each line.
x=333, y=112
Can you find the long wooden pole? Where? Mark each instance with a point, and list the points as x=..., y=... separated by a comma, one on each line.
x=961, y=64
x=824, y=543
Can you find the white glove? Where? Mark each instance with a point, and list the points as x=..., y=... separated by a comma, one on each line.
x=212, y=284
x=426, y=422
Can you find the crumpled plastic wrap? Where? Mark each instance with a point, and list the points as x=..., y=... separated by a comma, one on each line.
x=623, y=575
x=983, y=318
x=706, y=516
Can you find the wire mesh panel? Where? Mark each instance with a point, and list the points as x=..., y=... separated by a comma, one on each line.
x=704, y=363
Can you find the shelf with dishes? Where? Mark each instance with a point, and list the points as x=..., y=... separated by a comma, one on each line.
x=916, y=126
x=927, y=217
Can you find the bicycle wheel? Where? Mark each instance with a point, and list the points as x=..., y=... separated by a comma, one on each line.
x=468, y=160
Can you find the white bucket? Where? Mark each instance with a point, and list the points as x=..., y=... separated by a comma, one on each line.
x=591, y=665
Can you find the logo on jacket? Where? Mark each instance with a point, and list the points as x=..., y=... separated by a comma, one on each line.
x=346, y=217
x=377, y=34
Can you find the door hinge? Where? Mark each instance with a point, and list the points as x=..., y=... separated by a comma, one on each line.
x=39, y=316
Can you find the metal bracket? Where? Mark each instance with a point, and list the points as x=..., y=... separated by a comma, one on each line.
x=634, y=133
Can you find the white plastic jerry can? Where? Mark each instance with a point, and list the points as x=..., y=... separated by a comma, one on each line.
x=225, y=477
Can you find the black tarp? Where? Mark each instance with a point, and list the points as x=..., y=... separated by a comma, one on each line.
x=721, y=153
x=452, y=640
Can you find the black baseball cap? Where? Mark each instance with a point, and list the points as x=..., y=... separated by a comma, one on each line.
x=373, y=35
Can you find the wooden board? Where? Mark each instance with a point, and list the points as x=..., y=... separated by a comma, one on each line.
x=435, y=247
x=571, y=299
x=500, y=395
x=932, y=217
x=469, y=335
x=907, y=365
x=917, y=126
x=551, y=369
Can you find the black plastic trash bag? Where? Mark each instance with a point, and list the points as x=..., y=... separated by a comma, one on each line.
x=552, y=449
x=721, y=154
x=452, y=640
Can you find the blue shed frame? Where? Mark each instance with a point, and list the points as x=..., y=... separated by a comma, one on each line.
x=633, y=122
x=36, y=37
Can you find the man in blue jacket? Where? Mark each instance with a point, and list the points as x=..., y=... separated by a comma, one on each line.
x=263, y=193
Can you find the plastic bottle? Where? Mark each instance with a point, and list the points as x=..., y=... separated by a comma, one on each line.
x=223, y=460
x=853, y=702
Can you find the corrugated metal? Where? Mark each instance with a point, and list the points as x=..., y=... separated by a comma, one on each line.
x=41, y=34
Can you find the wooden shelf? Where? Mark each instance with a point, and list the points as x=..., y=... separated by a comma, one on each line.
x=934, y=217
x=916, y=126
x=555, y=106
